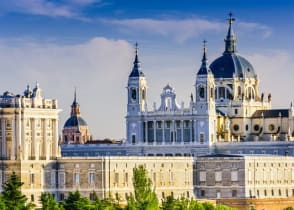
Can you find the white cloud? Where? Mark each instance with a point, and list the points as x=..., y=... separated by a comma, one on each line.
x=250, y=27
x=178, y=29
x=275, y=72
x=181, y=30
x=66, y=8
x=98, y=68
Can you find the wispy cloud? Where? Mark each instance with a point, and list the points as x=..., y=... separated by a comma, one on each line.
x=272, y=68
x=182, y=29
x=265, y=31
x=65, y=8
x=178, y=29
x=99, y=69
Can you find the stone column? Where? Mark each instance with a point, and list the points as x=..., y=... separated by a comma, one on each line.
x=18, y=136
x=55, y=138
x=182, y=131
x=191, y=127
x=146, y=132
x=13, y=139
x=33, y=144
x=174, y=132
x=3, y=125
x=45, y=139
x=163, y=131
x=154, y=129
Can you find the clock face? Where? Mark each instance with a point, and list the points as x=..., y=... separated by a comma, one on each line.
x=133, y=93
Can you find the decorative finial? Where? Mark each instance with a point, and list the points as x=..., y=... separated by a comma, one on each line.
x=204, y=59
x=136, y=48
x=231, y=19
x=204, y=45
x=37, y=84
x=230, y=40
x=75, y=95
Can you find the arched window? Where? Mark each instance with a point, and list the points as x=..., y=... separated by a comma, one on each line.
x=143, y=94
x=221, y=92
x=133, y=93
x=201, y=92
x=211, y=92
x=239, y=91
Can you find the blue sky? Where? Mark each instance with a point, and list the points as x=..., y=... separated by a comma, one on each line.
x=89, y=44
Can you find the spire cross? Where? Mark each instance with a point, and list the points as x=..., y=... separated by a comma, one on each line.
x=75, y=94
x=204, y=45
x=231, y=19
x=136, y=48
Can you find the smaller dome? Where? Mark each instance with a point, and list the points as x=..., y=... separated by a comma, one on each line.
x=74, y=121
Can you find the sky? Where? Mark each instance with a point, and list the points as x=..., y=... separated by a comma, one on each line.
x=89, y=44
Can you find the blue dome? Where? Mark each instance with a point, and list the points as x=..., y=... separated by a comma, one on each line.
x=230, y=64
x=74, y=121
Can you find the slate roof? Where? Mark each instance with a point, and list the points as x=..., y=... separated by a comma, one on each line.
x=230, y=64
x=271, y=113
x=74, y=121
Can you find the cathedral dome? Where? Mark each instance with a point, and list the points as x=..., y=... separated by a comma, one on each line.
x=75, y=121
x=230, y=65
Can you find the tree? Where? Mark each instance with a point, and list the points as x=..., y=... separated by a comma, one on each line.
x=289, y=208
x=208, y=206
x=2, y=204
x=223, y=207
x=49, y=202
x=145, y=198
x=12, y=196
x=76, y=201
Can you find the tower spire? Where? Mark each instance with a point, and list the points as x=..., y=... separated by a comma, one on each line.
x=136, y=71
x=204, y=58
x=75, y=95
x=204, y=69
x=75, y=107
x=230, y=39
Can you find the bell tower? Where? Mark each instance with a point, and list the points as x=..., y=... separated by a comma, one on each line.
x=205, y=102
x=137, y=101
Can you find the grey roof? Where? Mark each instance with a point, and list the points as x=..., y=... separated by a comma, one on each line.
x=271, y=113
x=220, y=112
x=74, y=121
x=230, y=64
x=136, y=71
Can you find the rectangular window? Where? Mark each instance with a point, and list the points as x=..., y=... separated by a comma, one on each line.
x=171, y=177
x=218, y=176
x=178, y=124
x=61, y=179
x=53, y=179
x=32, y=198
x=202, y=193
x=116, y=178
x=76, y=178
x=92, y=196
x=202, y=176
x=91, y=178
x=234, y=193
x=126, y=179
x=61, y=196
x=154, y=178
x=159, y=124
x=168, y=124
x=32, y=178
x=133, y=139
x=234, y=176
x=186, y=123
x=201, y=137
